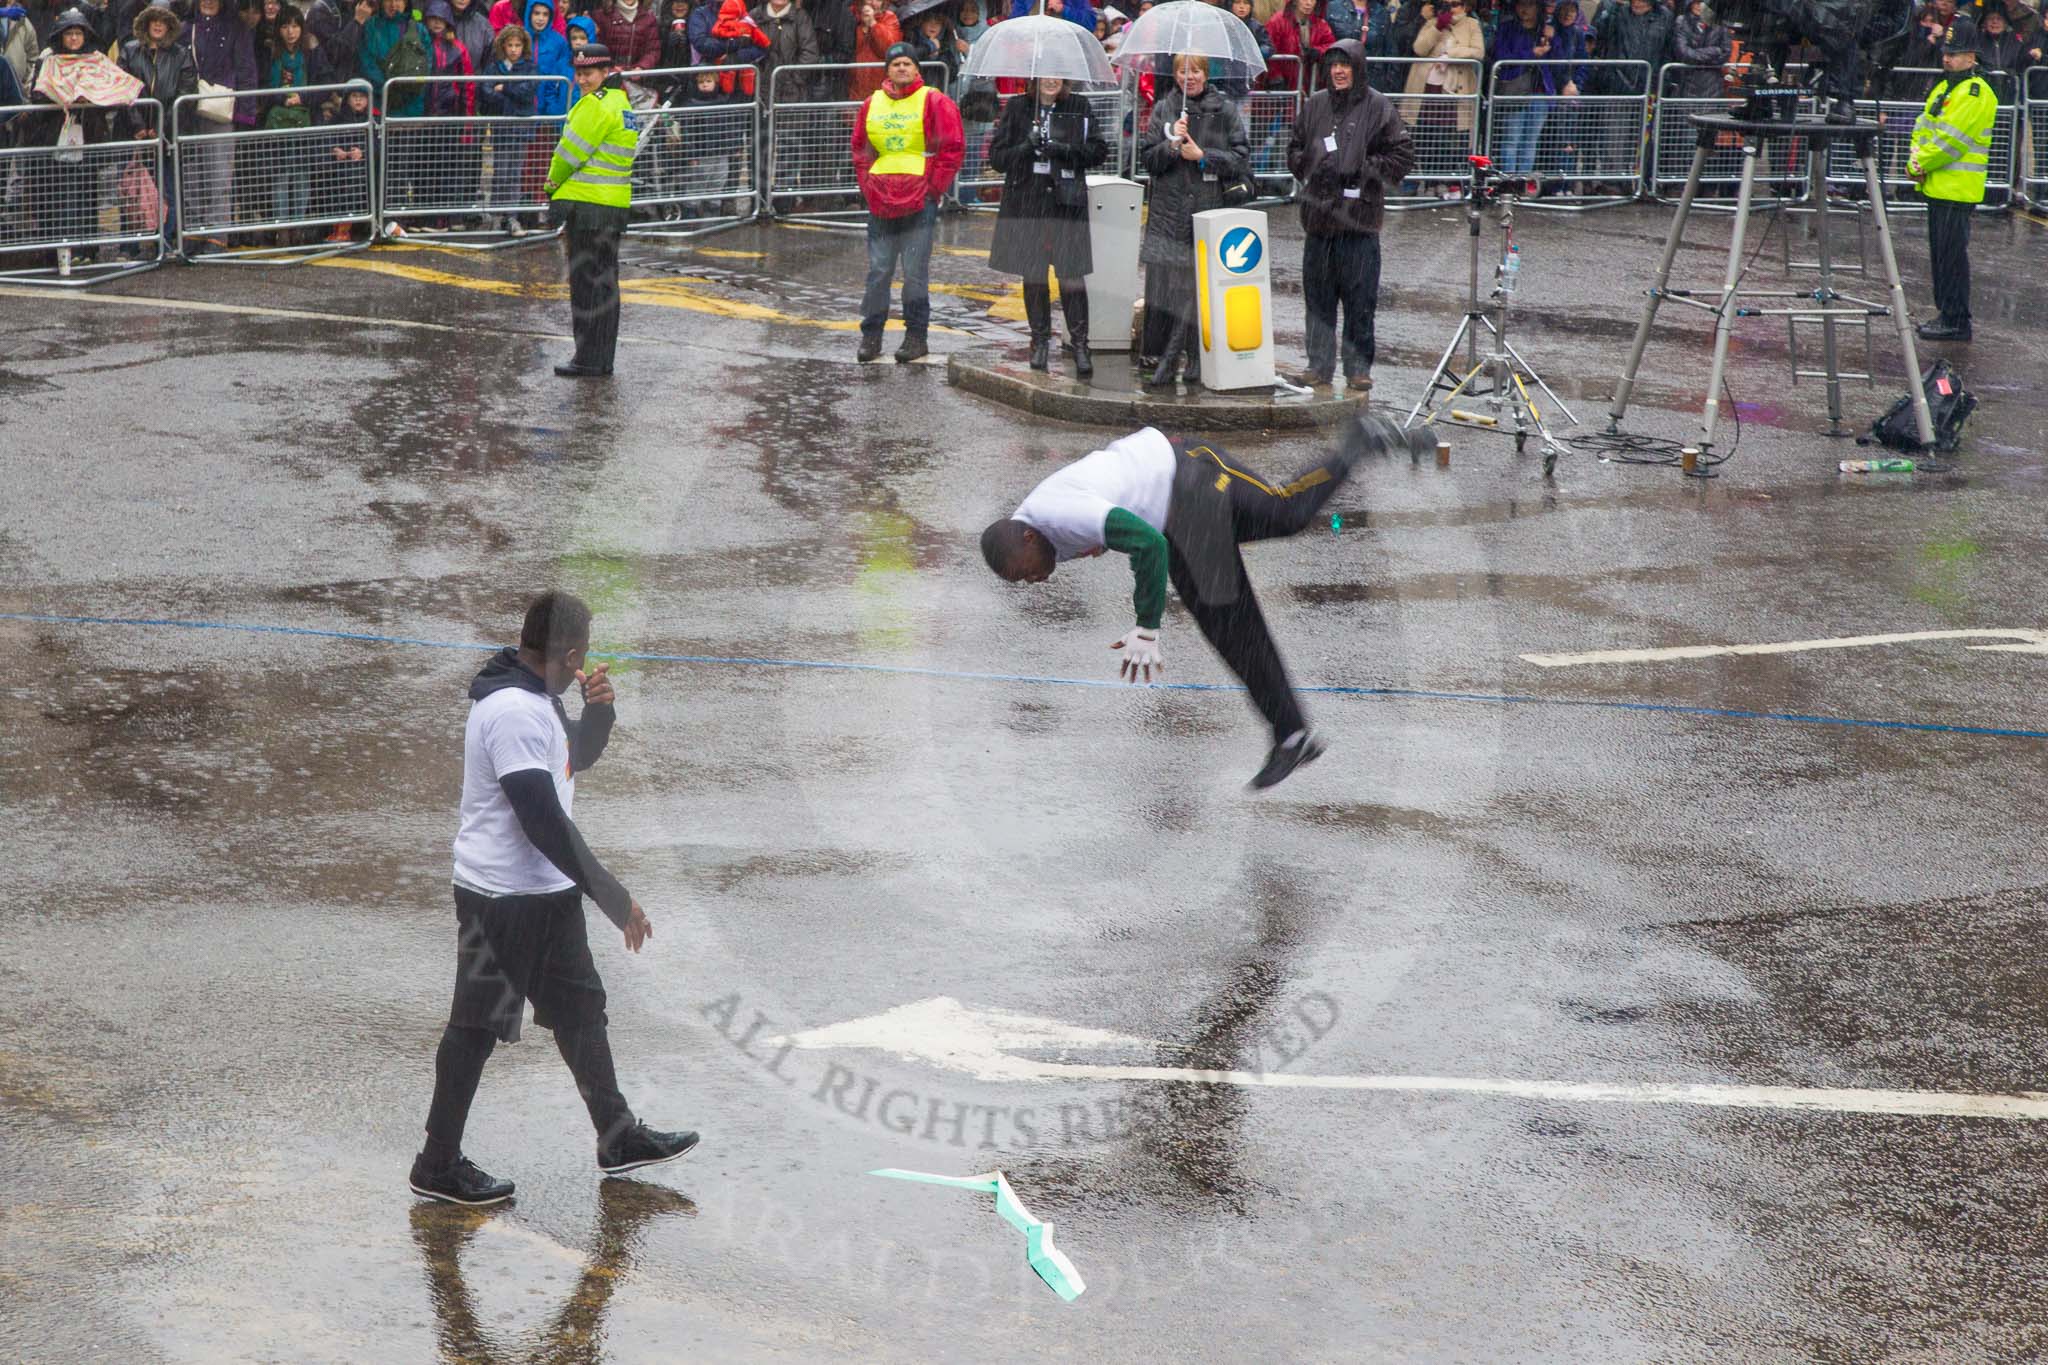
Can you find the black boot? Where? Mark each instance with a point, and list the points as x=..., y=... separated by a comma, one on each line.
x=913, y=348
x=1074, y=302
x=1193, y=376
x=1038, y=314
x=870, y=347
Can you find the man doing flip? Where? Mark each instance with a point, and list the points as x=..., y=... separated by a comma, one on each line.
x=1180, y=510
x=521, y=872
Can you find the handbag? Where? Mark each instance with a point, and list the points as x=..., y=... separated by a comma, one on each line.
x=216, y=102
x=140, y=200
x=71, y=141
x=1238, y=191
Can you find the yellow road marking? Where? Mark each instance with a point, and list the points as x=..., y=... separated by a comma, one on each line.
x=662, y=291
x=727, y=253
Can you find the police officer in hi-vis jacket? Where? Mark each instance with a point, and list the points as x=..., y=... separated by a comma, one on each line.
x=590, y=191
x=1950, y=159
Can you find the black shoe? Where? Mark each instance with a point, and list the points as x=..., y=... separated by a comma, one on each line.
x=870, y=347
x=642, y=1146
x=913, y=348
x=459, y=1182
x=1084, y=359
x=1313, y=379
x=1942, y=330
x=575, y=371
x=1297, y=749
x=1163, y=374
x=1041, y=353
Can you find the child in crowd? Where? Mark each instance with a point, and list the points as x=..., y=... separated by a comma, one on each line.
x=345, y=177
x=511, y=56
x=289, y=68
x=747, y=45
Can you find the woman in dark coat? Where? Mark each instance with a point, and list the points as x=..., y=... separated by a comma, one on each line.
x=1044, y=144
x=1194, y=145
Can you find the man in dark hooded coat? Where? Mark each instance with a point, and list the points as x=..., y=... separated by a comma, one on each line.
x=1348, y=145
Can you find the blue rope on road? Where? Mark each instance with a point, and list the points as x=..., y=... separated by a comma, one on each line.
x=912, y=671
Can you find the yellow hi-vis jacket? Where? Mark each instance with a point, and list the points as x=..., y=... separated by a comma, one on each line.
x=1952, y=138
x=594, y=160
x=896, y=131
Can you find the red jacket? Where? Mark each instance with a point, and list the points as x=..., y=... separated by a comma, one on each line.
x=871, y=45
x=633, y=45
x=945, y=145
x=1286, y=36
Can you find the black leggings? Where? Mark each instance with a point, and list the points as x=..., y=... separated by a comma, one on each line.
x=1231, y=621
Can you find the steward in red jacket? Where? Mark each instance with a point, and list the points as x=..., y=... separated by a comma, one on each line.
x=907, y=147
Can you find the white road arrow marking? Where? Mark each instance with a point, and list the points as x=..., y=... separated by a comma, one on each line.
x=1235, y=259
x=942, y=1032
x=2024, y=641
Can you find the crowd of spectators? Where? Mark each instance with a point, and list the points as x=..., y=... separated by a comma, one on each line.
x=1549, y=53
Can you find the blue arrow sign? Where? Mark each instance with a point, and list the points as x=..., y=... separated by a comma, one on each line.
x=1241, y=250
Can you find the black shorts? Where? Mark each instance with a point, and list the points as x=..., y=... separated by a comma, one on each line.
x=512, y=949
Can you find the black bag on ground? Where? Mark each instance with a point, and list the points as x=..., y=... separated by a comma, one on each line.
x=1949, y=404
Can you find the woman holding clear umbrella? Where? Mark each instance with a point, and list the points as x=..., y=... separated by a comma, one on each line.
x=1194, y=145
x=1045, y=143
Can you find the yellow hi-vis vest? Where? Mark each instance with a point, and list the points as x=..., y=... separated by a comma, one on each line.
x=1952, y=139
x=896, y=132
x=594, y=160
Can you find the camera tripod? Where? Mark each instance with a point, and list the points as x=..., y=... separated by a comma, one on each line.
x=1501, y=376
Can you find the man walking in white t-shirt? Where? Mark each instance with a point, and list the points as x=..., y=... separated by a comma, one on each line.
x=1180, y=510
x=521, y=872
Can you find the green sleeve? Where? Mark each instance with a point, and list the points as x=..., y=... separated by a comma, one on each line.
x=1127, y=535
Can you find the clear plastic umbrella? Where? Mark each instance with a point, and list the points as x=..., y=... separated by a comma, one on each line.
x=1037, y=45
x=1191, y=26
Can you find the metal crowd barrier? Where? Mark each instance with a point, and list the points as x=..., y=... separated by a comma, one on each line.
x=296, y=184
x=473, y=180
x=698, y=164
x=1895, y=146
x=95, y=212
x=2033, y=171
x=1443, y=128
x=1576, y=141
x=1105, y=114
x=1672, y=141
x=808, y=149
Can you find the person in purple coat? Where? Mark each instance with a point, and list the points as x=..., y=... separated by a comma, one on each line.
x=225, y=54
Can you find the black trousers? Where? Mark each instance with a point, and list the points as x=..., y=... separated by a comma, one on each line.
x=1342, y=270
x=592, y=234
x=1229, y=618
x=511, y=949
x=1948, y=241
x=1170, y=317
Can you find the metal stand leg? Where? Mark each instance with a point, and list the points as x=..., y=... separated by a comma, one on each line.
x=1923, y=420
x=1724, y=316
x=1671, y=243
x=1817, y=156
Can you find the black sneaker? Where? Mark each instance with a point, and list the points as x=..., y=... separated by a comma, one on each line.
x=642, y=1146
x=461, y=1181
x=870, y=347
x=1297, y=749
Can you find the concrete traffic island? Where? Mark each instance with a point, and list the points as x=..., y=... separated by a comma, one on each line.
x=1114, y=398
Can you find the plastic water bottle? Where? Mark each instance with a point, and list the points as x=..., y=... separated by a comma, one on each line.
x=1892, y=466
x=1510, y=269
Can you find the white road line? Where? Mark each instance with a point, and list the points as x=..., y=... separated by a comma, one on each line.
x=2030, y=1106
x=2023, y=641
x=983, y=1042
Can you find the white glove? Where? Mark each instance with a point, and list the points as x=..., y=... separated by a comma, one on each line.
x=1142, y=658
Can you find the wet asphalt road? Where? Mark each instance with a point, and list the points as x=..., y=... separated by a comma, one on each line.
x=226, y=959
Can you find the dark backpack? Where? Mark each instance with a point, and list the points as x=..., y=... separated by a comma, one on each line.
x=1949, y=404
x=408, y=56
